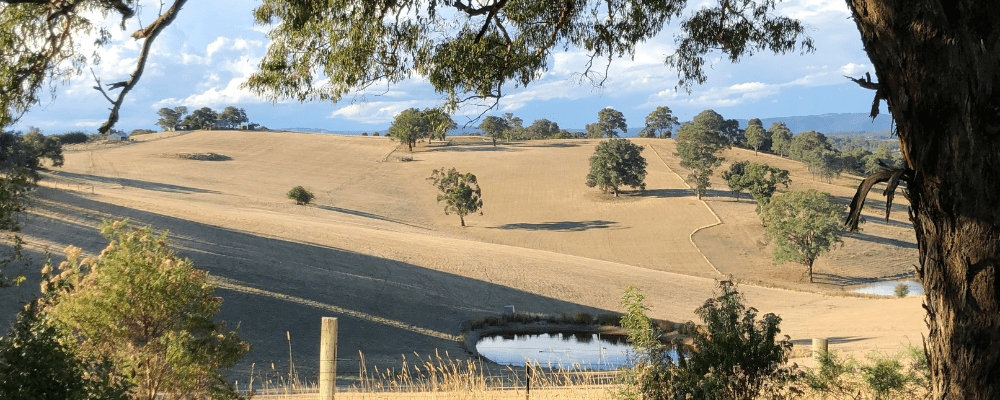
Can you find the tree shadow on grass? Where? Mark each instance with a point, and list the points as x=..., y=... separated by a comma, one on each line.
x=881, y=240
x=832, y=340
x=385, y=307
x=564, y=226
x=145, y=185
x=365, y=215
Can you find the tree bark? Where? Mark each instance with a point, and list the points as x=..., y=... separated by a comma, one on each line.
x=938, y=69
x=461, y=218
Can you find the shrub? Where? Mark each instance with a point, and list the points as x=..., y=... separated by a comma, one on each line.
x=364, y=133
x=73, y=137
x=136, y=132
x=884, y=376
x=902, y=289
x=147, y=311
x=300, y=195
x=374, y=133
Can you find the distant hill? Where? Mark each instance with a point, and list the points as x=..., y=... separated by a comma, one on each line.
x=830, y=123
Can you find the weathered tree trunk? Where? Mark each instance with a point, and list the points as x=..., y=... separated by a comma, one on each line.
x=462, y=219
x=938, y=67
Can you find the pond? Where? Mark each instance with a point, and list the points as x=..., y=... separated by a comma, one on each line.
x=888, y=288
x=557, y=350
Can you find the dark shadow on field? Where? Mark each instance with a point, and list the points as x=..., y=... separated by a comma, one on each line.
x=664, y=193
x=881, y=240
x=564, y=226
x=145, y=185
x=529, y=143
x=415, y=299
x=841, y=280
x=366, y=215
x=832, y=340
x=471, y=146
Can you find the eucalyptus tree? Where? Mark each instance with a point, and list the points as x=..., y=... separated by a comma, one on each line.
x=757, y=138
x=610, y=121
x=493, y=127
x=459, y=192
x=698, y=145
x=440, y=123
x=409, y=126
x=802, y=226
x=616, y=163
x=659, y=123
x=781, y=138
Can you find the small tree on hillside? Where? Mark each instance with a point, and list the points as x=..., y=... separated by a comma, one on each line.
x=659, y=123
x=761, y=180
x=409, y=125
x=698, y=145
x=494, y=127
x=734, y=177
x=781, y=138
x=300, y=195
x=617, y=163
x=147, y=311
x=460, y=192
x=802, y=226
x=757, y=138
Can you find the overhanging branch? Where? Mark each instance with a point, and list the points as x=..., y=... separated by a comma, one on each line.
x=868, y=84
x=890, y=175
x=149, y=33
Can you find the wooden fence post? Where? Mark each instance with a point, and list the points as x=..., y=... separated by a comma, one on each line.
x=328, y=359
x=818, y=350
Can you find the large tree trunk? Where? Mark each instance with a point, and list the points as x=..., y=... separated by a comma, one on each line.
x=938, y=67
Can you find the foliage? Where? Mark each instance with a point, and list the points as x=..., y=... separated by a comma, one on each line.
x=147, y=311
x=73, y=137
x=761, y=180
x=460, y=192
x=169, y=118
x=494, y=127
x=734, y=356
x=409, y=125
x=650, y=358
x=901, y=290
x=440, y=123
x=136, y=132
x=471, y=52
x=515, y=127
x=202, y=118
x=300, y=195
x=617, y=163
x=757, y=138
x=802, y=226
x=38, y=362
x=609, y=122
x=543, y=129
x=233, y=116
x=698, y=145
x=781, y=138
x=659, y=123
x=884, y=376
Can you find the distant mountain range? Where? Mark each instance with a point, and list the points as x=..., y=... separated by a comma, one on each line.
x=855, y=124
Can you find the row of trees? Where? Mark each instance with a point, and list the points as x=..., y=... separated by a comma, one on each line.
x=412, y=125
x=610, y=123
x=202, y=118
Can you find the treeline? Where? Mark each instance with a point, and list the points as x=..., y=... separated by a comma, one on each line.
x=203, y=118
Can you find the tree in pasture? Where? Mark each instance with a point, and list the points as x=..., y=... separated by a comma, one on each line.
x=300, y=195
x=802, y=226
x=494, y=127
x=734, y=177
x=940, y=88
x=616, y=163
x=762, y=181
x=460, y=192
x=698, y=145
x=659, y=123
x=542, y=129
x=609, y=122
x=409, y=126
x=202, y=118
x=170, y=117
x=147, y=311
x=233, y=116
x=515, y=127
x=440, y=123
x=757, y=138
x=781, y=138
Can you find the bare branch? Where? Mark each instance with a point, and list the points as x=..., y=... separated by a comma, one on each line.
x=99, y=88
x=892, y=176
x=491, y=9
x=865, y=82
x=150, y=33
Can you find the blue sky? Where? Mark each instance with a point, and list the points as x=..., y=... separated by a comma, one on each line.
x=213, y=46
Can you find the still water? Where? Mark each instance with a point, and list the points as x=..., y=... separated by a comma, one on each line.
x=557, y=350
x=888, y=288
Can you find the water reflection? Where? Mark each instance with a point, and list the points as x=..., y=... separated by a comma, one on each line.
x=557, y=350
x=888, y=288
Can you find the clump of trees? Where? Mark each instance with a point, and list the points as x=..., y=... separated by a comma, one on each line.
x=609, y=123
x=698, y=145
x=202, y=118
x=761, y=180
x=412, y=125
x=802, y=226
x=459, y=192
x=659, y=123
x=300, y=195
x=617, y=163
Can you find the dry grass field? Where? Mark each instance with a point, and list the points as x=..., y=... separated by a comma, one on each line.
x=376, y=250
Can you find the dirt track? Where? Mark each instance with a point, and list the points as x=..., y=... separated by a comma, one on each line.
x=377, y=251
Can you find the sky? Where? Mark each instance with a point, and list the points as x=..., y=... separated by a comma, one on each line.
x=213, y=46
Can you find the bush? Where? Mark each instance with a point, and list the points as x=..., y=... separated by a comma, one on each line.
x=136, y=132
x=73, y=137
x=884, y=376
x=37, y=362
x=902, y=289
x=147, y=311
x=374, y=133
x=300, y=195
x=737, y=356
x=364, y=133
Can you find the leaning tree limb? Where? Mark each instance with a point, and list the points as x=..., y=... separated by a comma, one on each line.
x=891, y=175
x=149, y=33
x=868, y=84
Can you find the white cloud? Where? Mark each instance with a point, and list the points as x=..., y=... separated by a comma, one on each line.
x=852, y=69
x=215, y=46
x=377, y=112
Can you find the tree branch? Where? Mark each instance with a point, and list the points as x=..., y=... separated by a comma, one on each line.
x=892, y=176
x=150, y=33
x=868, y=84
x=491, y=9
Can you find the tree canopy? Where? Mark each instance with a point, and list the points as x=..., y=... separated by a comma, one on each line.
x=609, y=122
x=698, y=145
x=757, y=138
x=409, y=126
x=494, y=127
x=802, y=226
x=617, y=163
x=440, y=123
x=459, y=192
x=761, y=180
x=659, y=123
x=781, y=138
